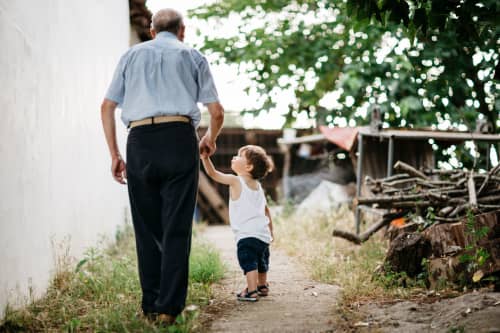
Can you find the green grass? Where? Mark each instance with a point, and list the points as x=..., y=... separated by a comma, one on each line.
x=101, y=293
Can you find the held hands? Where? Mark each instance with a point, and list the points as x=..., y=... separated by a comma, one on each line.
x=207, y=146
x=118, y=169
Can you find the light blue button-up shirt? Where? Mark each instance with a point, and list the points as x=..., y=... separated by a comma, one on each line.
x=161, y=77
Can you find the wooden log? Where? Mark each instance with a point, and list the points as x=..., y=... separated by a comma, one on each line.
x=389, y=199
x=493, y=207
x=472, y=191
x=444, y=236
x=386, y=219
x=411, y=204
x=460, y=209
x=490, y=174
x=458, y=175
x=406, y=252
x=456, y=201
x=396, y=183
x=389, y=190
x=491, y=198
x=426, y=183
x=347, y=235
x=448, y=191
x=439, y=172
x=440, y=219
x=394, y=177
x=445, y=211
x=409, y=169
x=437, y=196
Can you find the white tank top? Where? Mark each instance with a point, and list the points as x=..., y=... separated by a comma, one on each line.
x=247, y=214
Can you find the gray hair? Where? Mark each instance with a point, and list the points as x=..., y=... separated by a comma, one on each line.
x=167, y=20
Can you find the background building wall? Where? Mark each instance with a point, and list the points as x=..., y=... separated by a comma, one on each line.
x=57, y=58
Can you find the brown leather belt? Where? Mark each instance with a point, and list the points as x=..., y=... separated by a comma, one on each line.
x=158, y=120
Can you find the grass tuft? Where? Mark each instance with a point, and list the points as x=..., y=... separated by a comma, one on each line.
x=335, y=260
x=101, y=292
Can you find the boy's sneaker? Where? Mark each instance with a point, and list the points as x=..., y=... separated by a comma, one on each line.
x=247, y=296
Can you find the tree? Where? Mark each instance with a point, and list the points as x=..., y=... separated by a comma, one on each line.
x=468, y=28
x=417, y=75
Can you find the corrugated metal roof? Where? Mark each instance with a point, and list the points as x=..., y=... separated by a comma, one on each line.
x=429, y=134
x=302, y=139
x=339, y=137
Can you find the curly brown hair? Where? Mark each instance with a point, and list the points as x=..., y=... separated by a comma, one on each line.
x=257, y=157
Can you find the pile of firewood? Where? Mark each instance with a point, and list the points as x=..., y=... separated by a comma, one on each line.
x=448, y=193
x=441, y=212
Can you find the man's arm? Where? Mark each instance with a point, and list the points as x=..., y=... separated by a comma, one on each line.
x=207, y=142
x=118, y=168
x=223, y=178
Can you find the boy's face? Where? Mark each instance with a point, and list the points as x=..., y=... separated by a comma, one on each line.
x=239, y=163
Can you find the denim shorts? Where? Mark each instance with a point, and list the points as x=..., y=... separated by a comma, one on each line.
x=253, y=254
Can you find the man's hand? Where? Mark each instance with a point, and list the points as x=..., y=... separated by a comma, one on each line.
x=118, y=170
x=207, y=146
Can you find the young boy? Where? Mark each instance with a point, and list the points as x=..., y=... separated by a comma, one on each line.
x=248, y=215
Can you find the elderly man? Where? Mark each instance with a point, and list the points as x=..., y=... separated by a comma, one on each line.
x=158, y=84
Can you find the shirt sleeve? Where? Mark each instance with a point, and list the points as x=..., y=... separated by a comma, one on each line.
x=207, y=93
x=116, y=89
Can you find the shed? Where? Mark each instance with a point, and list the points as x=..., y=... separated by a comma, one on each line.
x=373, y=151
x=378, y=149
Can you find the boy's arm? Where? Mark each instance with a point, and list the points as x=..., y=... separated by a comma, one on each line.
x=268, y=214
x=218, y=176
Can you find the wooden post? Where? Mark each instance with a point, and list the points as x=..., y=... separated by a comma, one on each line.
x=214, y=198
x=286, y=170
x=390, y=156
x=359, y=180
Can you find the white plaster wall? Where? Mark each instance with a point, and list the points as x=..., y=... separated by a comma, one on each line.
x=56, y=60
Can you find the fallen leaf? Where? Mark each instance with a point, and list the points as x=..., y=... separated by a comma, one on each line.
x=191, y=307
x=361, y=324
x=478, y=276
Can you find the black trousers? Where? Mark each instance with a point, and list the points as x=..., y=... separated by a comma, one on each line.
x=162, y=176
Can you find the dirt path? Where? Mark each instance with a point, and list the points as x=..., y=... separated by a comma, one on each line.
x=295, y=303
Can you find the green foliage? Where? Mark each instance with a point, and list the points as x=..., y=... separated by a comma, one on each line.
x=430, y=216
x=417, y=66
x=390, y=279
x=205, y=265
x=101, y=293
x=459, y=329
x=475, y=256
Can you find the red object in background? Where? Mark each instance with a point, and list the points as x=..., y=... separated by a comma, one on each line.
x=398, y=223
x=344, y=137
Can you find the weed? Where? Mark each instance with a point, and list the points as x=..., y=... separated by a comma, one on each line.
x=475, y=256
x=101, y=292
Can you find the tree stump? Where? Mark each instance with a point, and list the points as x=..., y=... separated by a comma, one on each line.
x=406, y=252
x=444, y=270
x=444, y=237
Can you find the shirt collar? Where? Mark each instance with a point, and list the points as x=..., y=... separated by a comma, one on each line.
x=166, y=34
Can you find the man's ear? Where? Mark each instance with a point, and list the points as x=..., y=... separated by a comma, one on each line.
x=153, y=33
x=249, y=167
x=180, y=33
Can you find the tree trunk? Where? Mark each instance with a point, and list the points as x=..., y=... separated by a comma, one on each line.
x=406, y=253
